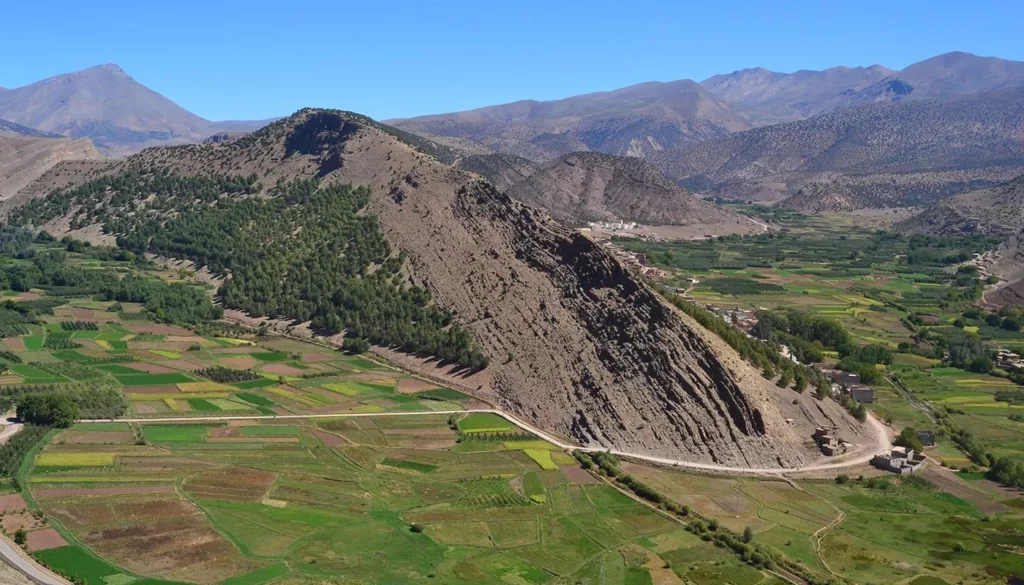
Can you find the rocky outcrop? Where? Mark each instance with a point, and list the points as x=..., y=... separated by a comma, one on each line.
x=591, y=186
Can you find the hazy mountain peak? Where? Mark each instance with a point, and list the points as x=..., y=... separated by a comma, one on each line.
x=103, y=103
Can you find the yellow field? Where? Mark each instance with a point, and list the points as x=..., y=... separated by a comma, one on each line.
x=233, y=341
x=293, y=396
x=342, y=388
x=191, y=387
x=542, y=457
x=75, y=460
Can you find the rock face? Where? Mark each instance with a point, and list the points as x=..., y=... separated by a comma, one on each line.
x=502, y=170
x=591, y=186
x=23, y=159
x=577, y=344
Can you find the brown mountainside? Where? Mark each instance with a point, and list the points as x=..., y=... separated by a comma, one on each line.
x=591, y=186
x=577, y=344
x=973, y=138
x=995, y=210
x=502, y=170
x=635, y=120
x=24, y=159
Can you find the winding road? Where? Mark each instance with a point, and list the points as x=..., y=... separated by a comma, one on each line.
x=881, y=435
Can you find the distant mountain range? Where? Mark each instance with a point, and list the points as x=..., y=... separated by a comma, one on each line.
x=633, y=121
x=834, y=139
x=769, y=97
x=107, y=105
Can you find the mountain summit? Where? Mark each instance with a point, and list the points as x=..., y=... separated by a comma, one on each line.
x=103, y=103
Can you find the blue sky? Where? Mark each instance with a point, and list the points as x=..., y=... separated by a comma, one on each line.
x=228, y=59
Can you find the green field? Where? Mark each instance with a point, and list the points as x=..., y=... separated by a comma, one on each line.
x=375, y=508
x=484, y=423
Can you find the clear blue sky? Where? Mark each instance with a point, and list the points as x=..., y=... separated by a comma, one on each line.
x=253, y=59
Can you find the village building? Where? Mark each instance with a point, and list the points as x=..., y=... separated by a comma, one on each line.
x=862, y=394
x=900, y=460
x=927, y=438
x=830, y=444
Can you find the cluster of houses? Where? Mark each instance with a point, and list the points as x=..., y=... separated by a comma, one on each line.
x=745, y=319
x=829, y=442
x=612, y=225
x=1009, y=360
x=900, y=460
x=849, y=383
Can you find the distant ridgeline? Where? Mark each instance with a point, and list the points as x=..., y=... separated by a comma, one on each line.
x=304, y=253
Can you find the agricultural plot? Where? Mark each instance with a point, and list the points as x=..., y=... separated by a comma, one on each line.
x=892, y=530
x=388, y=500
x=163, y=370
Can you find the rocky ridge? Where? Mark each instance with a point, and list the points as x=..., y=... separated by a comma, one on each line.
x=577, y=344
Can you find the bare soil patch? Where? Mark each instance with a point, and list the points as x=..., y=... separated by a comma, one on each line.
x=96, y=437
x=578, y=475
x=103, y=491
x=237, y=484
x=83, y=314
x=141, y=408
x=282, y=370
x=315, y=358
x=12, y=503
x=15, y=343
x=414, y=385
x=329, y=439
x=185, y=548
x=222, y=432
x=240, y=363
x=44, y=539
x=20, y=521
x=242, y=423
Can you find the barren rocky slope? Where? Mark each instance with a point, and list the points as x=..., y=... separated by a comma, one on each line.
x=502, y=170
x=635, y=121
x=24, y=159
x=926, y=146
x=577, y=344
x=591, y=186
x=996, y=210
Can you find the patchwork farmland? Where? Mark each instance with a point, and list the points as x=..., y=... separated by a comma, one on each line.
x=374, y=499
